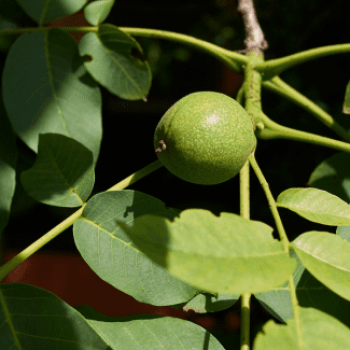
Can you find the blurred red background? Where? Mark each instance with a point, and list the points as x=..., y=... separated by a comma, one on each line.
x=71, y=279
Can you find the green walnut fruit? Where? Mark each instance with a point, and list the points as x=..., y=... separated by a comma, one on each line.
x=205, y=138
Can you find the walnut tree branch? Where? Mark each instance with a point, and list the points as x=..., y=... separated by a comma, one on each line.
x=254, y=40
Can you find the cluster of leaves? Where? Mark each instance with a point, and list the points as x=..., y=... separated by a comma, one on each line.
x=131, y=240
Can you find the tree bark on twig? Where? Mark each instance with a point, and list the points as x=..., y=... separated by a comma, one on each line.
x=254, y=40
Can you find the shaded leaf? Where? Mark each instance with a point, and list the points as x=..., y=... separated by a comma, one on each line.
x=226, y=254
x=140, y=332
x=12, y=11
x=326, y=256
x=8, y=160
x=113, y=65
x=44, y=11
x=316, y=205
x=333, y=175
x=310, y=293
x=205, y=302
x=109, y=252
x=51, y=92
x=97, y=11
x=317, y=331
x=7, y=24
x=63, y=172
x=33, y=318
x=344, y=232
x=277, y=302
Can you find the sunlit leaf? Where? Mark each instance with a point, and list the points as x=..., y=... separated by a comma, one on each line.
x=316, y=205
x=97, y=11
x=315, y=330
x=326, y=256
x=226, y=254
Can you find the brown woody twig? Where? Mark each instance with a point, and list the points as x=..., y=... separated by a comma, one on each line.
x=254, y=40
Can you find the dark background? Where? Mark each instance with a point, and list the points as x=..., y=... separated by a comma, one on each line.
x=127, y=146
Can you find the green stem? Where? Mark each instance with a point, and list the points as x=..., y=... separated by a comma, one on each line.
x=245, y=321
x=252, y=88
x=244, y=191
x=276, y=66
x=46, y=238
x=271, y=201
x=137, y=176
x=232, y=59
x=282, y=234
x=251, y=91
x=277, y=85
x=295, y=303
x=273, y=130
x=240, y=95
x=245, y=298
